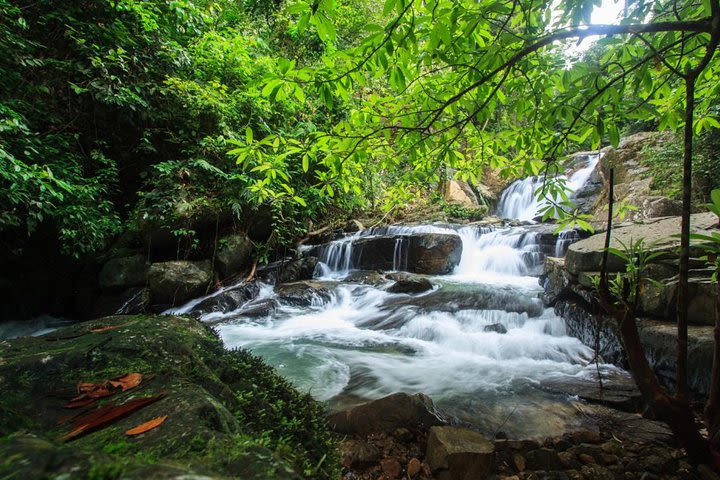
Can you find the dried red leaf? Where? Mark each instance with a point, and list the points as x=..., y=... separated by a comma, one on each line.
x=127, y=381
x=149, y=425
x=79, y=402
x=110, y=413
x=107, y=328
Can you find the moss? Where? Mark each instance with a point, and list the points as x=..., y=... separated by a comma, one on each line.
x=229, y=413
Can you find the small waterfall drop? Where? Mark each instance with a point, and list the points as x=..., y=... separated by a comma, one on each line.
x=519, y=200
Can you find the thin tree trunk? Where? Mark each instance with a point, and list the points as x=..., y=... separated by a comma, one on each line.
x=682, y=298
x=712, y=408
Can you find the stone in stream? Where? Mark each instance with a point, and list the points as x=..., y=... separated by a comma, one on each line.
x=410, y=285
x=387, y=414
x=303, y=293
x=228, y=300
x=495, y=327
x=459, y=454
x=176, y=282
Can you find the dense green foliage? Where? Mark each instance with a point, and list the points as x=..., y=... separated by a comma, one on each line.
x=157, y=113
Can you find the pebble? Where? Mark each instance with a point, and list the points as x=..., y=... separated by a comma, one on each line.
x=391, y=468
x=519, y=462
x=414, y=466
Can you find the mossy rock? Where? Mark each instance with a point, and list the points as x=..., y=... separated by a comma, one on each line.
x=229, y=414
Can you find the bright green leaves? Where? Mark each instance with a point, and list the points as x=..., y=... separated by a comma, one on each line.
x=318, y=13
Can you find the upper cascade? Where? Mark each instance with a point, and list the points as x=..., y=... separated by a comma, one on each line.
x=519, y=200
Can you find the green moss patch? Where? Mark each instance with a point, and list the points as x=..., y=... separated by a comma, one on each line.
x=230, y=415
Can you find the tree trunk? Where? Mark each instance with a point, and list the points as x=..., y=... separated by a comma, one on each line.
x=682, y=298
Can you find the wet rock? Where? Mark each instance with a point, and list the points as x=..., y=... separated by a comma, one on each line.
x=303, y=293
x=228, y=300
x=459, y=454
x=176, y=282
x=617, y=390
x=568, y=460
x=121, y=273
x=428, y=253
x=391, y=468
x=626, y=426
x=366, y=277
x=235, y=253
x=132, y=301
x=358, y=453
x=543, y=459
x=387, y=414
x=296, y=270
x=495, y=327
x=519, y=462
x=587, y=459
x=411, y=285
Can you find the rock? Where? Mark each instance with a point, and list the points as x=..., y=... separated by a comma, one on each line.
x=366, y=277
x=596, y=472
x=625, y=426
x=495, y=327
x=132, y=301
x=358, y=453
x=587, y=459
x=125, y=272
x=657, y=206
x=459, y=454
x=203, y=387
x=706, y=473
x=176, y=282
x=235, y=252
x=387, y=414
x=568, y=460
x=519, y=462
x=413, y=467
x=391, y=468
x=586, y=255
x=228, y=300
x=296, y=270
x=608, y=459
x=555, y=280
x=425, y=253
x=411, y=285
x=303, y=293
x=353, y=226
x=543, y=459
x=618, y=389
x=459, y=193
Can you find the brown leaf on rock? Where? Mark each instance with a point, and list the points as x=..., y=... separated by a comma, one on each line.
x=106, y=415
x=127, y=381
x=108, y=327
x=149, y=425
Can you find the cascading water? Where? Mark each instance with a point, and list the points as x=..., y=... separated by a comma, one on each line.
x=479, y=343
x=519, y=201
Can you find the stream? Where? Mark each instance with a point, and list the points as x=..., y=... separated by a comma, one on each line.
x=480, y=343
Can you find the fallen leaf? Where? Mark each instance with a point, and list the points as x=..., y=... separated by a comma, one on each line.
x=149, y=425
x=126, y=382
x=108, y=327
x=106, y=415
x=79, y=402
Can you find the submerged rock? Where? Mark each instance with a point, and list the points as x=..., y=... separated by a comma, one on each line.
x=228, y=300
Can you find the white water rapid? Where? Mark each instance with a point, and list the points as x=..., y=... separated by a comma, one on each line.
x=480, y=343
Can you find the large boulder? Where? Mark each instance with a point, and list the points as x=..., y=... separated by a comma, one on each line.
x=399, y=410
x=176, y=282
x=234, y=254
x=427, y=253
x=659, y=235
x=125, y=272
x=410, y=285
x=459, y=454
x=459, y=193
x=132, y=301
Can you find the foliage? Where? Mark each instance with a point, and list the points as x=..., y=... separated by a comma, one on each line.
x=625, y=287
x=711, y=243
x=462, y=212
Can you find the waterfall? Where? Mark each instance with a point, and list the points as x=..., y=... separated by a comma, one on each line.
x=400, y=254
x=519, y=200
